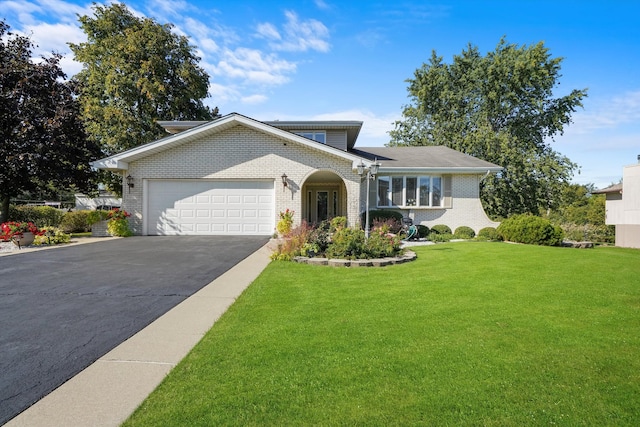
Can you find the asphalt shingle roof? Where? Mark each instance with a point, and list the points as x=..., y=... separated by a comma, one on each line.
x=436, y=157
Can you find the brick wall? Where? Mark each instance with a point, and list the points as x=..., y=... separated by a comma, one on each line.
x=242, y=153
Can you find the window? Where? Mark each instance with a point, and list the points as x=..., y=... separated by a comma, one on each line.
x=409, y=191
x=319, y=136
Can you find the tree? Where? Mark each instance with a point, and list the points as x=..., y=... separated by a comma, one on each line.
x=135, y=72
x=41, y=137
x=499, y=108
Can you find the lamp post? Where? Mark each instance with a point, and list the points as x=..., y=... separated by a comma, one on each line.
x=371, y=173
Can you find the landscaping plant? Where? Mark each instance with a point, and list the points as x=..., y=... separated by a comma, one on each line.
x=285, y=222
x=118, y=224
x=530, y=229
x=15, y=228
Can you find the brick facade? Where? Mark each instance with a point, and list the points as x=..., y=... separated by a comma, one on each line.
x=246, y=154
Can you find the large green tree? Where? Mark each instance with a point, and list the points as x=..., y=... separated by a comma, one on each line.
x=135, y=72
x=500, y=108
x=42, y=142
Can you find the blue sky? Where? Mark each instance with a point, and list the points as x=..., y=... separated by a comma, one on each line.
x=348, y=60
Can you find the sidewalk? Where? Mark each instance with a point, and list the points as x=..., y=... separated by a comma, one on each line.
x=110, y=389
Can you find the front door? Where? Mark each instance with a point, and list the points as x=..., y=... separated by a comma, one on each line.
x=322, y=204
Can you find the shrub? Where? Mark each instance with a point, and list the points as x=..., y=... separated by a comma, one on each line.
x=285, y=222
x=118, y=224
x=589, y=232
x=531, y=230
x=97, y=216
x=337, y=223
x=380, y=215
x=423, y=231
x=441, y=229
x=381, y=244
x=75, y=222
x=389, y=225
x=296, y=242
x=489, y=233
x=52, y=236
x=436, y=237
x=348, y=243
x=41, y=216
x=464, y=232
x=319, y=238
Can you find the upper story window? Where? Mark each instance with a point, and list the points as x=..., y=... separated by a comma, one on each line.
x=410, y=191
x=319, y=136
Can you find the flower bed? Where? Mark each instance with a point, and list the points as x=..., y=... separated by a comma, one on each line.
x=333, y=240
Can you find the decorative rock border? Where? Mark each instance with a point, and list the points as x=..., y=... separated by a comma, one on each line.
x=376, y=262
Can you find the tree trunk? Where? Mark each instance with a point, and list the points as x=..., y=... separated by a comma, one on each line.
x=4, y=209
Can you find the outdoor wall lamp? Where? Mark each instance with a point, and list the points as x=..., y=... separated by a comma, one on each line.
x=129, y=182
x=371, y=173
x=284, y=180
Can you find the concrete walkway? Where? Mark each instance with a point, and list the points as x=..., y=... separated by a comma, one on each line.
x=109, y=390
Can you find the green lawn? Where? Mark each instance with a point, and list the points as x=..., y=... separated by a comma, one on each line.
x=469, y=334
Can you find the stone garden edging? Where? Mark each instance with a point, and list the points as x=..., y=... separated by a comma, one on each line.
x=374, y=262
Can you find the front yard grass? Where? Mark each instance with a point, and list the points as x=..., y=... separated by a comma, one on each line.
x=469, y=334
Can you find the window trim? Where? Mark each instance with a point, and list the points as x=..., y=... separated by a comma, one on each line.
x=416, y=205
x=313, y=135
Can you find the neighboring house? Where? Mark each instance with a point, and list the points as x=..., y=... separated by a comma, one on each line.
x=105, y=200
x=623, y=207
x=233, y=175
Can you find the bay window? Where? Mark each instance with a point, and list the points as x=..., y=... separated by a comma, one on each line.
x=410, y=191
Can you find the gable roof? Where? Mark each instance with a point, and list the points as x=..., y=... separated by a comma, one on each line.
x=121, y=161
x=425, y=159
x=435, y=159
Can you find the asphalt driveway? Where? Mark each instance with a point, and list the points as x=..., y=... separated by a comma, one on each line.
x=62, y=309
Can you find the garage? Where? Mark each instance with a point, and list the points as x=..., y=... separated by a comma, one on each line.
x=209, y=207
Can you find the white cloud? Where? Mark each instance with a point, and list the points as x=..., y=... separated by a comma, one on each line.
x=268, y=31
x=254, y=99
x=221, y=93
x=254, y=66
x=320, y=4
x=607, y=113
x=298, y=36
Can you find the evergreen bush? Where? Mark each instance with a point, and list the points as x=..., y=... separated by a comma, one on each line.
x=530, y=229
x=41, y=216
x=75, y=222
x=441, y=229
x=489, y=233
x=464, y=232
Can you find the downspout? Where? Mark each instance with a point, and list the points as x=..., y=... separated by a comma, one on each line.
x=485, y=176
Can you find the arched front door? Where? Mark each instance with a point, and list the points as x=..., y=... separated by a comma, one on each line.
x=324, y=197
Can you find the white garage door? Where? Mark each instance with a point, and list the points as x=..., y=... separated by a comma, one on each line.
x=184, y=207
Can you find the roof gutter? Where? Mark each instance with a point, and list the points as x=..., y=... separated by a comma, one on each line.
x=459, y=170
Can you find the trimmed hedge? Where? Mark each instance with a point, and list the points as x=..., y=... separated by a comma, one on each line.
x=41, y=216
x=464, y=232
x=423, y=231
x=489, y=233
x=76, y=222
x=441, y=229
x=531, y=230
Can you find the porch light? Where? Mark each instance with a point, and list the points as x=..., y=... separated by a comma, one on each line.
x=129, y=182
x=284, y=180
x=371, y=173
